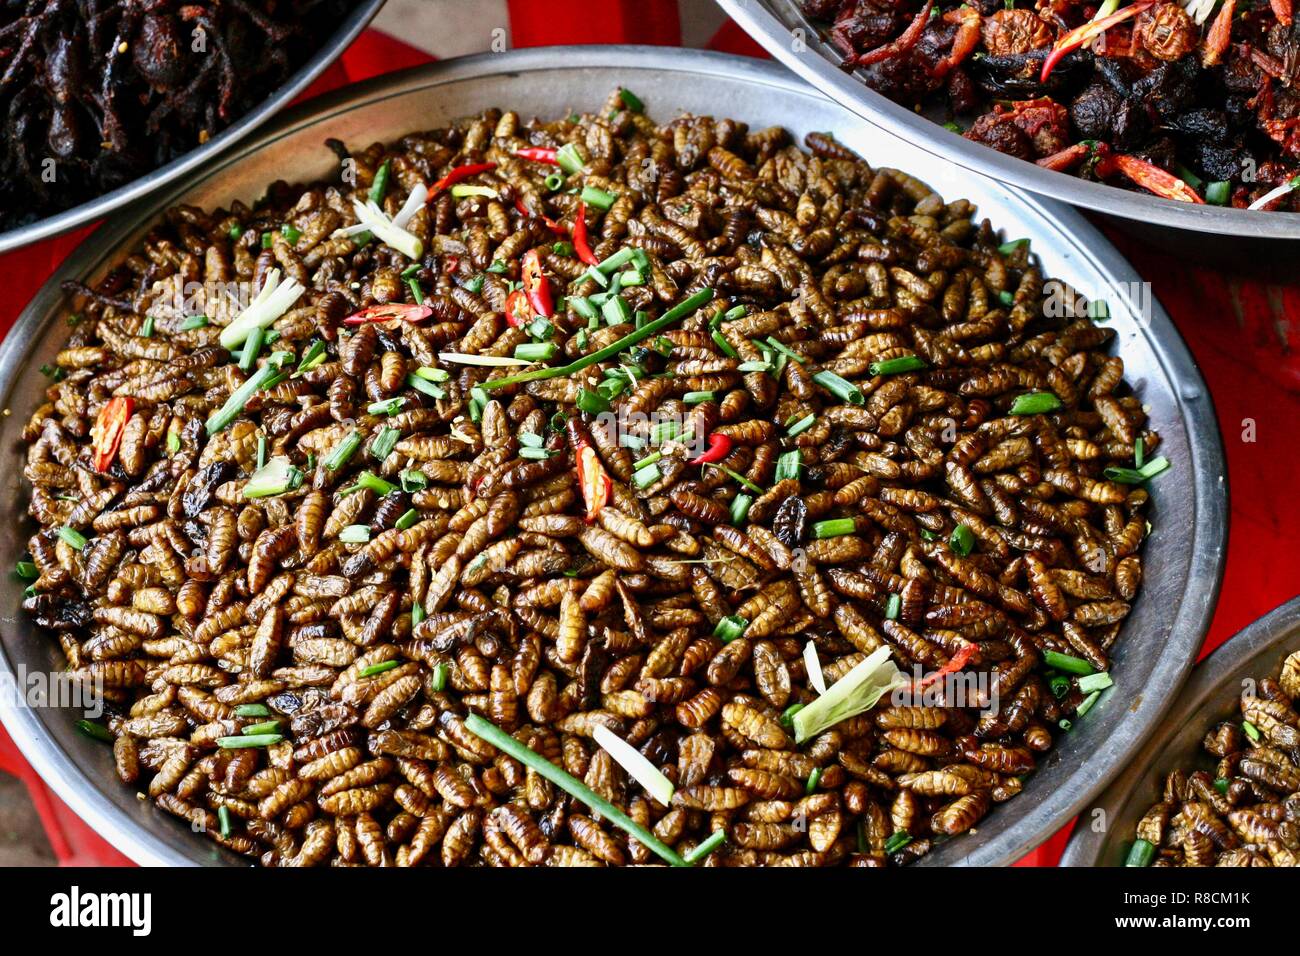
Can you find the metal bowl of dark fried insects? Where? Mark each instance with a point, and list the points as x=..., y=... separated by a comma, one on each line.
x=494, y=553
x=1216, y=783
x=814, y=47
x=106, y=106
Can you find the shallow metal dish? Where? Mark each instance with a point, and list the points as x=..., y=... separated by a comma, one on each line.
x=773, y=23
x=1168, y=621
x=348, y=30
x=1211, y=695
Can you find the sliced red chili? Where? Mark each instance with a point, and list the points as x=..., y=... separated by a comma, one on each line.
x=593, y=481
x=106, y=435
x=906, y=40
x=580, y=244
x=518, y=312
x=538, y=154
x=536, y=286
x=1281, y=10
x=955, y=663
x=1151, y=178
x=1066, y=158
x=1219, y=35
x=1081, y=35
x=459, y=173
x=388, y=312
x=719, y=448
x=551, y=224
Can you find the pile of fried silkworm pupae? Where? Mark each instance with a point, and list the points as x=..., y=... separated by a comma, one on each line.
x=296, y=672
x=1245, y=812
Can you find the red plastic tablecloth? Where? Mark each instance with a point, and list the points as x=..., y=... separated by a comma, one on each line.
x=1241, y=332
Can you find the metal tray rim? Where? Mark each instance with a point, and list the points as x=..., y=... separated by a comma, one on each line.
x=768, y=29
x=349, y=29
x=1186, y=631
x=1259, y=645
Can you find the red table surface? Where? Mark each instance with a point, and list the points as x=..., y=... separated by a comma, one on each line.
x=1239, y=330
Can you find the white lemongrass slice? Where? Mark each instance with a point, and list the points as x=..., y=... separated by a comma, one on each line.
x=273, y=300
x=412, y=205
x=391, y=235
x=273, y=478
x=637, y=767
x=1276, y=193
x=491, y=361
x=856, y=692
x=814, y=667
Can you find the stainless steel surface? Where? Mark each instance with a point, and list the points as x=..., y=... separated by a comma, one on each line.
x=783, y=30
x=1211, y=695
x=1169, y=619
x=348, y=29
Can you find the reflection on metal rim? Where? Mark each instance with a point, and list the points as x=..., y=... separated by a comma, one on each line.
x=788, y=35
x=350, y=27
x=1169, y=619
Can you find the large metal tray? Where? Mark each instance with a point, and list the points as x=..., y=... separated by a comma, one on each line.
x=1260, y=238
x=348, y=30
x=1104, y=831
x=1182, y=582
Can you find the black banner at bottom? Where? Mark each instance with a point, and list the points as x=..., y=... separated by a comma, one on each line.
x=334, y=907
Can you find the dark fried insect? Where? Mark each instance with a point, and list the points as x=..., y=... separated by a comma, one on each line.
x=297, y=595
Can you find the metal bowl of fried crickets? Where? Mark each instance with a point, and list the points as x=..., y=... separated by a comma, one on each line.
x=1184, y=555
x=1105, y=830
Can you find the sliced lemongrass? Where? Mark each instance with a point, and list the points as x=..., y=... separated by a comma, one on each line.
x=487, y=361
x=273, y=300
x=461, y=190
x=276, y=477
x=856, y=692
x=570, y=785
x=1276, y=193
x=387, y=230
x=1067, y=663
x=355, y=534
x=813, y=665
x=72, y=537
x=637, y=766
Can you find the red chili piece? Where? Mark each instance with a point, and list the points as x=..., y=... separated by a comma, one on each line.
x=580, y=243
x=536, y=286
x=459, y=173
x=905, y=41
x=106, y=435
x=538, y=154
x=719, y=448
x=388, y=312
x=518, y=312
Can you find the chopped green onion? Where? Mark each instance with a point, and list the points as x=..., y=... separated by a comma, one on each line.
x=343, y=451
x=1098, y=310
x=574, y=787
x=597, y=197
x=475, y=284
x=706, y=847
x=631, y=100
x=236, y=230
x=814, y=779
x=315, y=355
x=897, y=840
x=240, y=396
x=372, y=482
x=722, y=343
x=74, y=538
x=802, y=425
x=276, y=477
x=834, y=527
x=1136, y=476
x=583, y=306
x=498, y=267
x=425, y=387
x=842, y=389
x=380, y=184
x=735, y=312
x=223, y=820
x=27, y=570
x=696, y=398
x=417, y=294
x=440, y=673
x=432, y=374
x=787, y=351
x=593, y=403
x=381, y=667
x=754, y=366
x=1251, y=730
x=265, y=727
x=536, y=454
x=1087, y=703
x=730, y=628
x=1095, y=682
x=1140, y=854
x=251, y=740
x=389, y=406
x=646, y=476
x=569, y=158
x=536, y=351
x=1218, y=193
x=564, y=249
x=740, y=508
x=94, y=731
x=1064, y=662
x=896, y=366
x=1221, y=785
x=193, y=322
x=1060, y=685
x=679, y=311
x=252, y=710
x=553, y=182
x=1009, y=247
x=146, y=330
x=1034, y=403
x=738, y=476
x=355, y=534
x=173, y=441
x=291, y=233
x=787, y=716
x=616, y=311
x=1139, y=452
x=1065, y=724
x=787, y=466
x=412, y=480
x=385, y=442
x=647, y=461
x=962, y=540
x=893, y=607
